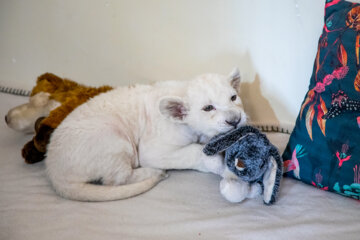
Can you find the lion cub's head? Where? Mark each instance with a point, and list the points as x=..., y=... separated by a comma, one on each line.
x=210, y=106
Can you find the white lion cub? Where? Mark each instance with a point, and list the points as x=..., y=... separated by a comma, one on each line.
x=119, y=143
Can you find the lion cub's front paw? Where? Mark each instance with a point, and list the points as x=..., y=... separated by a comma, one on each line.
x=214, y=164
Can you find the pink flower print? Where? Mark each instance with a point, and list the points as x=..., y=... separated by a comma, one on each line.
x=340, y=72
x=328, y=79
x=330, y=3
x=293, y=165
x=320, y=87
x=342, y=157
x=339, y=98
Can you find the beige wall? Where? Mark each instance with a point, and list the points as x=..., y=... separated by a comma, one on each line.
x=134, y=41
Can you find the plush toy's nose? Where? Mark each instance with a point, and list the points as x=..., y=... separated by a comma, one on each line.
x=6, y=119
x=233, y=122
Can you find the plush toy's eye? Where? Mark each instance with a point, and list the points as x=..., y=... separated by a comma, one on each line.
x=233, y=98
x=239, y=164
x=208, y=108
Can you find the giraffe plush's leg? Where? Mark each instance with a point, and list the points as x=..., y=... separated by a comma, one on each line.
x=29, y=152
x=34, y=151
x=46, y=126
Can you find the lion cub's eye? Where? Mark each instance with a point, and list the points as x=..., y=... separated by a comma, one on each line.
x=233, y=98
x=208, y=108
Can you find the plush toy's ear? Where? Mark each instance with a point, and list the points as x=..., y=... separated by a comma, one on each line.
x=221, y=142
x=235, y=78
x=174, y=108
x=40, y=99
x=272, y=177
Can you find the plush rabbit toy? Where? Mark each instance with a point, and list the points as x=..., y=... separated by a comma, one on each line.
x=252, y=158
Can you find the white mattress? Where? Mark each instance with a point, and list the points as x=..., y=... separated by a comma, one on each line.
x=187, y=205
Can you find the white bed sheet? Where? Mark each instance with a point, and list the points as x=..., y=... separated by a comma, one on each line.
x=187, y=205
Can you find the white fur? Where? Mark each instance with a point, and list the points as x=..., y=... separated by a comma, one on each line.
x=125, y=136
x=22, y=118
x=235, y=190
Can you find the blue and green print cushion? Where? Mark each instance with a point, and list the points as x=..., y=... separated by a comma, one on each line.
x=324, y=147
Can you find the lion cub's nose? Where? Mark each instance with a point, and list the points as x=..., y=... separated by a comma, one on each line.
x=233, y=122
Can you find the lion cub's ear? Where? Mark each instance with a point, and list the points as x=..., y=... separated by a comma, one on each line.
x=174, y=108
x=235, y=78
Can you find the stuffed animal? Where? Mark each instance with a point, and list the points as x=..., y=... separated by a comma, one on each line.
x=51, y=100
x=251, y=157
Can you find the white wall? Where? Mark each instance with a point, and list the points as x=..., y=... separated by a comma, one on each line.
x=120, y=42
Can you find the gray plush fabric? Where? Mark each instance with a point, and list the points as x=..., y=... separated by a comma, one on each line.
x=252, y=148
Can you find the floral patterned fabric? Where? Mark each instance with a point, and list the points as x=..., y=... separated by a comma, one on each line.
x=323, y=149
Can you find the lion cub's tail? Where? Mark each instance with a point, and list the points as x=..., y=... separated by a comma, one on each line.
x=100, y=193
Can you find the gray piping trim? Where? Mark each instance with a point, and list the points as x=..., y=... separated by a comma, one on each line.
x=272, y=128
x=15, y=91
